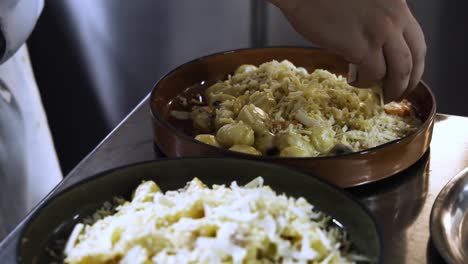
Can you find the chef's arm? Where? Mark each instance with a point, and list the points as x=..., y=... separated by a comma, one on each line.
x=381, y=37
x=17, y=21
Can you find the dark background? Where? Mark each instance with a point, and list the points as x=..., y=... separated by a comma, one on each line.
x=95, y=60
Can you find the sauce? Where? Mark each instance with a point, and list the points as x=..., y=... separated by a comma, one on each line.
x=184, y=102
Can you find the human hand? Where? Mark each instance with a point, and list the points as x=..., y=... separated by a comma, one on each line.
x=381, y=37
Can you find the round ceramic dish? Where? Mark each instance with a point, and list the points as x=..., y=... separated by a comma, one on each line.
x=348, y=170
x=55, y=218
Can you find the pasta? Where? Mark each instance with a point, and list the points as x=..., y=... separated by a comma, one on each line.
x=236, y=133
x=280, y=109
x=222, y=224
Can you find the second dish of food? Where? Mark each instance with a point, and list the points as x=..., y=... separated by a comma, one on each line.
x=197, y=224
x=280, y=109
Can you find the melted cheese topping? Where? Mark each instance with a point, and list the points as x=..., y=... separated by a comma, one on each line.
x=197, y=224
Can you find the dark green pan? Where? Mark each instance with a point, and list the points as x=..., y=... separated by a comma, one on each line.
x=56, y=217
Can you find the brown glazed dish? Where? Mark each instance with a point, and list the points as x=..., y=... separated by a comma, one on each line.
x=174, y=138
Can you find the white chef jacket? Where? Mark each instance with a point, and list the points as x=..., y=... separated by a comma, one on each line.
x=29, y=168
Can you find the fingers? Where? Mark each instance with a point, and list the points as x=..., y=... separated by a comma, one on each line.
x=371, y=70
x=401, y=63
x=415, y=39
x=399, y=68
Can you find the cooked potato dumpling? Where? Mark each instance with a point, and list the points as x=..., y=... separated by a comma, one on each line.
x=265, y=141
x=288, y=139
x=287, y=111
x=208, y=139
x=145, y=191
x=265, y=100
x=235, y=134
x=323, y=138
x=245, y=68
x=226, y=223
x=255, y=117
x=245, y=149
x=223, y=117
x=294, y=151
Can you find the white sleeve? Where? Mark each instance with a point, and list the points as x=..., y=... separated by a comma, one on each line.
x=17, y=21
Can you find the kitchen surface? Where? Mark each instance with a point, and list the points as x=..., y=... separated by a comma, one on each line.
x=401, y=204
x=98, y=61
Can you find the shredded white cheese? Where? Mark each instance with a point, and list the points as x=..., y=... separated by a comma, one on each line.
x=198, y=224
x=320, y=105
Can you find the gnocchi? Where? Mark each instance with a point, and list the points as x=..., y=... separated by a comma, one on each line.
x=227, y=223
x=208, y=139
x=245, y=149
x=255, y=117
x=277, y=108
x=236, y=133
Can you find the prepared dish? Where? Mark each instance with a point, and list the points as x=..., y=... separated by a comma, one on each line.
x=280, y=109
x=197, y=224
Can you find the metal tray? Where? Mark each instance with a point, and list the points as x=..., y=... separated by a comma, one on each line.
x=449, y=219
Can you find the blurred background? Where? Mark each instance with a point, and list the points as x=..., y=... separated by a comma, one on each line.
x=94, y=61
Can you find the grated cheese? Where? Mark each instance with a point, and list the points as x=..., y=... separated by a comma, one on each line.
x=319, y=105
x=197, y=224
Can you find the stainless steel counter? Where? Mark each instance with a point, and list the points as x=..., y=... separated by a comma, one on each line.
x=401, y=204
